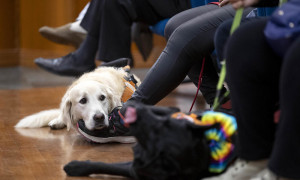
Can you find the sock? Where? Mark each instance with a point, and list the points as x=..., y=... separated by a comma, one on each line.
x=86, y=53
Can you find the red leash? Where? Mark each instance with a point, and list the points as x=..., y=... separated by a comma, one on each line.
x=199, y=83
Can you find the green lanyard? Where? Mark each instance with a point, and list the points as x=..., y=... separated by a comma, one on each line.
x=234, y=26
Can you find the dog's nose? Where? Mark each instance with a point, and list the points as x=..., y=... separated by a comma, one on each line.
x=98, y=117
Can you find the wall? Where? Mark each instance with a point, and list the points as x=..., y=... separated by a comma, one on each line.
x=21, y=42
x=20, y=20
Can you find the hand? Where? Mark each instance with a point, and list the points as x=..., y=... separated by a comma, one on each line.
x=242, y=3
x=223, y=2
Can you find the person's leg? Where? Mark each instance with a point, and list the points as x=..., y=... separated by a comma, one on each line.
x=112, y=40
x=210, y=77
x=109, y=32
x=253, y=72
x=208, y=85
x=221, y=36
x=115, y=38
x=285, y=159
x=68, y=34
x=185, y=49
x=252, y=77
x=114, y=34
x=185, y=16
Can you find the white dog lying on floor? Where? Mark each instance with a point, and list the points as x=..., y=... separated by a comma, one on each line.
x=90, y=98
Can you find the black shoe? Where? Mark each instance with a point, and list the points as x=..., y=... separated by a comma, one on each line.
x=65, y=66
x=115, y=132
x=121, y=62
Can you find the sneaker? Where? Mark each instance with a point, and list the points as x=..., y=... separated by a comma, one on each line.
x=241, y=169
x=115, y=132
x=266, y=174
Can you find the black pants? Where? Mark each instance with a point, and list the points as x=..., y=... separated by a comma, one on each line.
x=190, y=39
x=259, y=80
x=109, y=22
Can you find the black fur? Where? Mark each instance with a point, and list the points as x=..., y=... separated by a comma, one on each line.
x=167, y=148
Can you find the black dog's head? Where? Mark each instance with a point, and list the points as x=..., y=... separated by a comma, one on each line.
x=167, y=148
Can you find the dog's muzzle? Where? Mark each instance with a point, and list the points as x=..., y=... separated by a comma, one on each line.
x=99, y=121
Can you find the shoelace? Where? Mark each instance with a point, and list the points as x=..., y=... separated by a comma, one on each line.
x=112, y=123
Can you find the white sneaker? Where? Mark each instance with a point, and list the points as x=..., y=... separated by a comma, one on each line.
x=241, y=170
x=266, y=174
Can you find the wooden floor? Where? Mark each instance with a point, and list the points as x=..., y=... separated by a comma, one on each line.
x=41, y=153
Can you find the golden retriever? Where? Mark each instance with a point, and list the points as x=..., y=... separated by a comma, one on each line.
x=90, y=98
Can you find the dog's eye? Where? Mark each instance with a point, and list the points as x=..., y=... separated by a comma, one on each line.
x=102, y=97
x=83, y=101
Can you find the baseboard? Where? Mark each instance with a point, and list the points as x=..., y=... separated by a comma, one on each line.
x=25, y=57
x=9, y=57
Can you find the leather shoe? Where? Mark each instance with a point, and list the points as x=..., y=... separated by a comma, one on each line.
x=64, y=66
x=63, y=35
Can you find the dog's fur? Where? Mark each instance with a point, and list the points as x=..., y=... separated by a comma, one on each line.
x=91, y=98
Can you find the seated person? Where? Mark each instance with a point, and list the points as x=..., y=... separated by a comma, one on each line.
x=259, y=79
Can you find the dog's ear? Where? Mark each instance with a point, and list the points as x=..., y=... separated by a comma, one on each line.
x=66, y=111
x=114, y=101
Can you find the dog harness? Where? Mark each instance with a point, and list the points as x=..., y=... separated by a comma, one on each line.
x=130, y=84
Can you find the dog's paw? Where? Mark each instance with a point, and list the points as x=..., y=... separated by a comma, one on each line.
x=56, y=124
x=78, y=168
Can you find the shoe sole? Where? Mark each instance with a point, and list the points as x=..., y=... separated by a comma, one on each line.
x=119, y=139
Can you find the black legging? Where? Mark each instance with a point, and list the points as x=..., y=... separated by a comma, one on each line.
x=190, y=39
x=258, y=80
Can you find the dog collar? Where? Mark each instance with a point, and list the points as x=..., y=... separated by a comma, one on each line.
x=130, y=84
x=221, y=147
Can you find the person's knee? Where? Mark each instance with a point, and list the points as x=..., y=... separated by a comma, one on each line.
x=224, y=29
x=169, y=29
x=235, y=53
x=246, y=51
x=221, y=36
x=172, y=24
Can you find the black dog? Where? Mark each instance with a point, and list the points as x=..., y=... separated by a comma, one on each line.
x=167, y=148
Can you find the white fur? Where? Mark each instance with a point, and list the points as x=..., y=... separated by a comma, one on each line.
x=104, y=82
x=39, y=119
